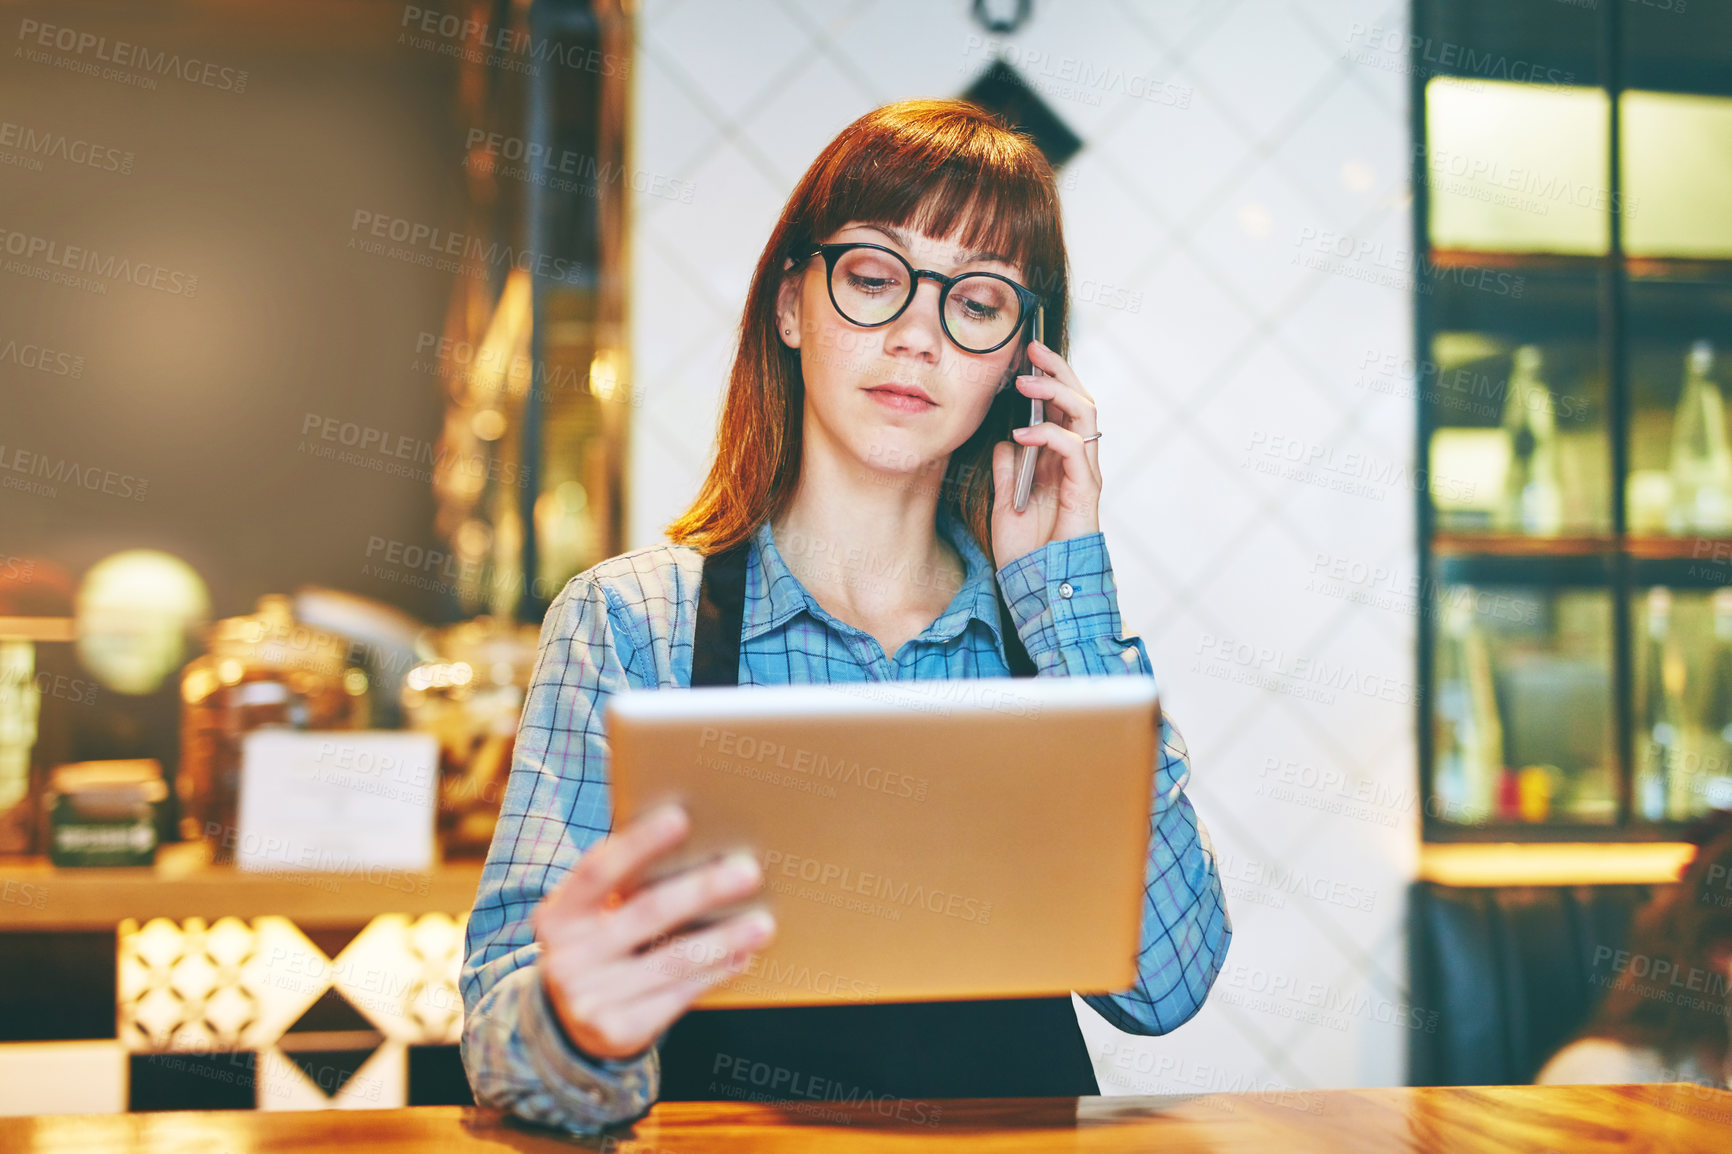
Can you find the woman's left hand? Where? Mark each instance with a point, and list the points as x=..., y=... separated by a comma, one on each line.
x=1064, y=501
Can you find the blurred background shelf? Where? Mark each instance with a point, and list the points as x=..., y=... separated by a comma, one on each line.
x=1573, y=312
x=1518, y=545
x=38, y=897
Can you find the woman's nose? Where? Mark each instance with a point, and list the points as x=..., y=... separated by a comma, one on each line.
x=919, y=328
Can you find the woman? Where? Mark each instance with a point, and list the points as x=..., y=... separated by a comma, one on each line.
x=858, y=411
x=1668, y=1002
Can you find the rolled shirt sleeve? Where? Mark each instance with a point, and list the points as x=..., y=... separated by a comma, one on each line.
x=1064, y=602
x=556, y=805
x=519, y=1060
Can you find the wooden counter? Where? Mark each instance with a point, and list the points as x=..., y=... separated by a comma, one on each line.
x=1677, y=1119
x=34, y=895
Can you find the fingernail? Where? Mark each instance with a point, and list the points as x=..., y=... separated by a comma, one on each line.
x=760, y=924
x=741, y=867
x=668, y=818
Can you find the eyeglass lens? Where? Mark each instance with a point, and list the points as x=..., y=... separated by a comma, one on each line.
x=870, y=285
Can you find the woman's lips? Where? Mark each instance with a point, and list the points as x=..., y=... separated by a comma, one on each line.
x=900, y=402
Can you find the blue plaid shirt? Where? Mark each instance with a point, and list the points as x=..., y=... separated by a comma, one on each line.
x=629, y=622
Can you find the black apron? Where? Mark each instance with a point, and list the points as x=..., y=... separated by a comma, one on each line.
x=993, y=1048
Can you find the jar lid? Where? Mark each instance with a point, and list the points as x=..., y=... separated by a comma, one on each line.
x=271, y=637
x=482, y=651
x=107, y=783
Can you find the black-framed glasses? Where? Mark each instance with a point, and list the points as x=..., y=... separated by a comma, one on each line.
x=871, y=285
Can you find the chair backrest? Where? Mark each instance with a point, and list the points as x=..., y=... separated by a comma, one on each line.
x=1511, y=972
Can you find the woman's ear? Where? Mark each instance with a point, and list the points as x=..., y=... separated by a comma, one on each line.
x=788, y=310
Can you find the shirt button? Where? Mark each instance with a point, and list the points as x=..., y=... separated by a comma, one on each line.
x=1065, y=590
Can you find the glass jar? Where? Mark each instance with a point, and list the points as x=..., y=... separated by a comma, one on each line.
x=266, y=670
x=469, y=694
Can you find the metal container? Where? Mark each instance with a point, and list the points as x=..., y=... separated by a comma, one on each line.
x=104, y=813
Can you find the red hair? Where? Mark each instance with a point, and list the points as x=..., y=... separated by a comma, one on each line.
x=1689, y=925
x=921, y=164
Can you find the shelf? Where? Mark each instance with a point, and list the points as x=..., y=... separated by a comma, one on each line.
x=1537, y=262
x=1678, y=270
x=37, y=896
x=1554, y=863
x=1640, y=268
x=1519, y=545
x=38, y=629
x=1449, y=544
x=1680, y=548
x=1570, y=215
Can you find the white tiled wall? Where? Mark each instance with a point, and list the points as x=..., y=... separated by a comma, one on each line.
x=1258, y=203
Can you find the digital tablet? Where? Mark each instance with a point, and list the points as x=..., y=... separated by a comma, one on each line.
x=920, y=840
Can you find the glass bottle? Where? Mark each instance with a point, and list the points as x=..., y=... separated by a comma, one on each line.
x=1701, y=461
x=1662, y=679
x=1533, y=499
x=20, y=707
x=1468, y=732
x=1717, y=721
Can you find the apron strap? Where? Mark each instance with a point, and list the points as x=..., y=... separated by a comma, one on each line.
x=722, y=611
x=721, y=615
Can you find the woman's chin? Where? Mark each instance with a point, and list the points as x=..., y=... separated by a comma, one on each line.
x=888, y=463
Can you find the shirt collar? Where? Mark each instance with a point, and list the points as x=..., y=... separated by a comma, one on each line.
x=774, y=594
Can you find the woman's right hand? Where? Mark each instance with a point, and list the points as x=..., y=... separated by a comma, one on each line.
x=614, y=977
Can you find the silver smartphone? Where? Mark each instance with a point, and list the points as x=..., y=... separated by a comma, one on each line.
x=1026, y=455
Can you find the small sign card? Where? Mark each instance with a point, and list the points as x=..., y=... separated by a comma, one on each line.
x=337, y=800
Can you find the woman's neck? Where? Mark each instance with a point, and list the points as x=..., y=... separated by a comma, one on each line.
x=866, y=541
